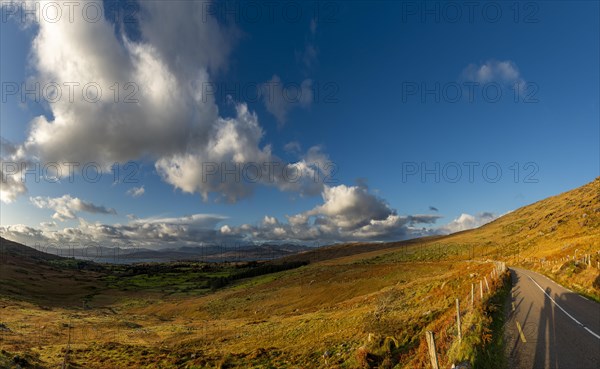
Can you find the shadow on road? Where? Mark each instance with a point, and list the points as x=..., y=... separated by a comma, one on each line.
x=546, y=350
x=550, y=336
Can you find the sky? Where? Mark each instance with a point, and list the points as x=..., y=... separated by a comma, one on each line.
x=187, y=123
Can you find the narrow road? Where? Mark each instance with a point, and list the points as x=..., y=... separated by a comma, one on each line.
x=549, y=326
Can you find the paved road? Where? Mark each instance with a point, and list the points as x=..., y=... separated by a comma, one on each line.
x=550, y=327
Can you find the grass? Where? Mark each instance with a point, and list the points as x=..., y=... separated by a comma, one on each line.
x=483, y=342
x=283, y=320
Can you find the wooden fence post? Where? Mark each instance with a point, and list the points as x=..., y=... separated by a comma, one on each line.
x=481, y=289
x=487, y=285
x=473, y=293
x=458, y=320
x=432, y=351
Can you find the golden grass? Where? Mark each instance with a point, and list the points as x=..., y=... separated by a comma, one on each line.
x=289, y=321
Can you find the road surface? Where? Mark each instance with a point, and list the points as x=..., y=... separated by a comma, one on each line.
x=549, y=326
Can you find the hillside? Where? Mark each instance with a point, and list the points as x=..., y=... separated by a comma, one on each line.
x=45, y=279
x=542, y=236
x=552, y=227
x=10, y=249
x=354, y=306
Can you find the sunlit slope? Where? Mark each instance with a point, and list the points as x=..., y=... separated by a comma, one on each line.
x=558, y=236
x=552, y=227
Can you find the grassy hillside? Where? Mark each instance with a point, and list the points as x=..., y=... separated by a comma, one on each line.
x=539, y=236
x=354, y=306
x=550, y=228
x=322, y=315
x=542, y=235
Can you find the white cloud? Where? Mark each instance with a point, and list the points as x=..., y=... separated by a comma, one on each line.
x=505, y=73
x=293, y=147
x=115, y=129
x=11, y=187
x=351, y=207
x=280, y=98
x=170, y=119
x=332, y=221
x=269, y=221
x=225, y=229
x=232, y=163
x=152, y=233
x=67, y=207
x=136, y=191
x=467, y=221
x=186, y=35
x=11, y=183
x=347, y=213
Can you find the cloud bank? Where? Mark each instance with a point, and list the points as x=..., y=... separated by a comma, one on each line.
x=347, y=213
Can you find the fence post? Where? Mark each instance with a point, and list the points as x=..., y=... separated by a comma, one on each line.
x=432, y=350
x=458, y=320
x=473, y=293
x=481, y=289
x=487, y=285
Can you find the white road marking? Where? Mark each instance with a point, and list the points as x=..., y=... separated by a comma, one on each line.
x=564, y=311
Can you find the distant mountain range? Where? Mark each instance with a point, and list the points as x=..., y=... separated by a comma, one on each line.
x=215, y=253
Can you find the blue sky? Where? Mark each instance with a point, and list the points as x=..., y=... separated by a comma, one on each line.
x=379, y=103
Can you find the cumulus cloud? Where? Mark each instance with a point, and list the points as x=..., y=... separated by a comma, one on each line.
x=347, y=213
x=11, y=168
x=67, y=207
x=150, y=100
x=142, y=119
x=280, y=98
x=187, y=36
x=504, y=72
x=136, y=191
x=467, y=221
x=11, y=186
x=232, y=163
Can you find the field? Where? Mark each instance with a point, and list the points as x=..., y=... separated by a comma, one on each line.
x=319, y=315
